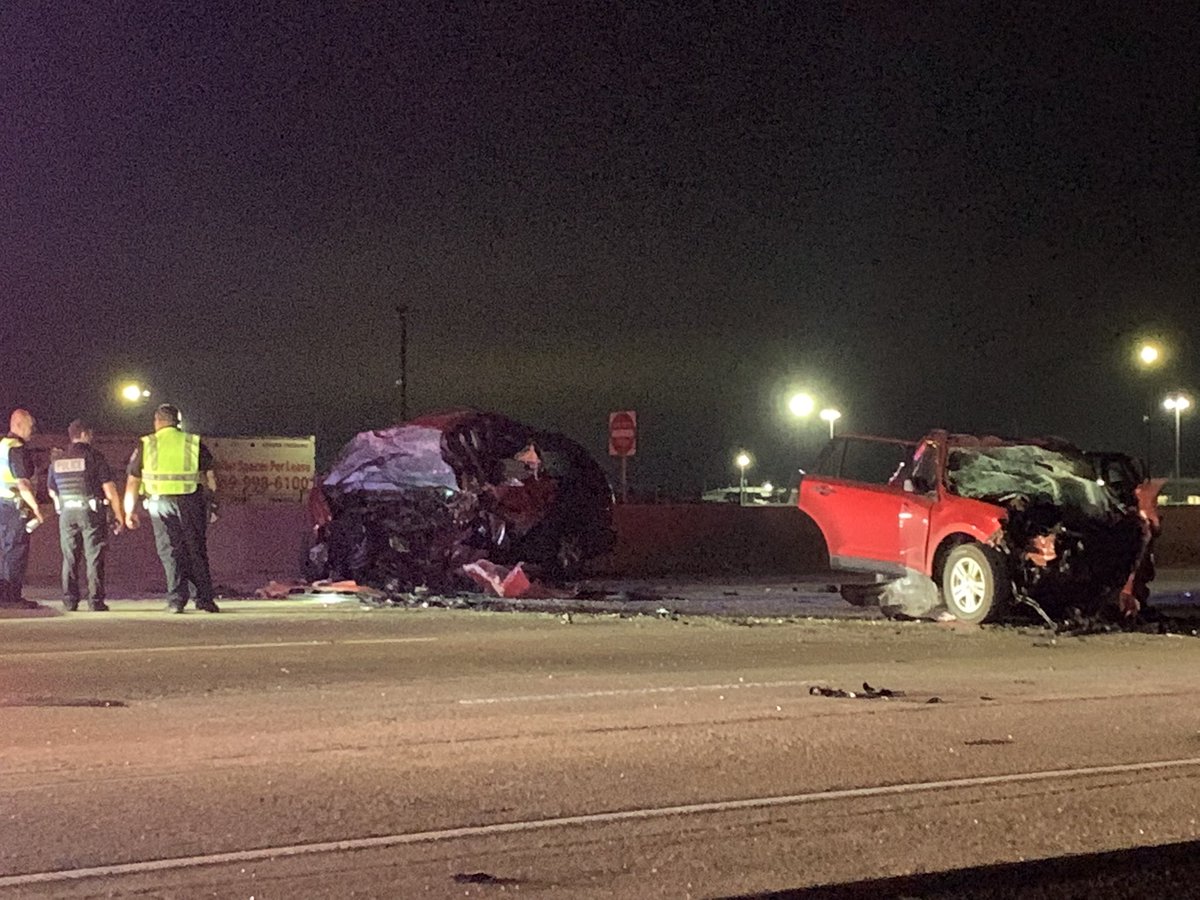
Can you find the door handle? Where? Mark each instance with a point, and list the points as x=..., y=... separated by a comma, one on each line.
x=825, y=490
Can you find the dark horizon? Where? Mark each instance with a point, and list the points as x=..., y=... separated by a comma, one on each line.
x=961, y=219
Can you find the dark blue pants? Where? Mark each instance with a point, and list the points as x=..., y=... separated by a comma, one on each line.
x=14, y=552
x=82, y=530
x=181, y=538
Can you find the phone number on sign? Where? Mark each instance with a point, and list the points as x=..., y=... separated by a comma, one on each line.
x=265, y=484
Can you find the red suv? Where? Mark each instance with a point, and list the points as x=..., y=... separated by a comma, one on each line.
x=977, y=523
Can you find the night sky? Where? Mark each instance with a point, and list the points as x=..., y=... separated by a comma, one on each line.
x=963, y=216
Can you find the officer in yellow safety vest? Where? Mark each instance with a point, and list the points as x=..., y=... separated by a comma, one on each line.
x=173, y=471
x=18, y=509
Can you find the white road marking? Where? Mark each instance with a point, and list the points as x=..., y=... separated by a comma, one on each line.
x=629, y=815
x=630, y=692
x=186, y=648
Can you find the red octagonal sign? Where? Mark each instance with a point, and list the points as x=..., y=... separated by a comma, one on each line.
x=622, y=433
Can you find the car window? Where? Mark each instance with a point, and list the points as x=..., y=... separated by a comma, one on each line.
x=829, y=460
x=873, y=462
x=925, y=472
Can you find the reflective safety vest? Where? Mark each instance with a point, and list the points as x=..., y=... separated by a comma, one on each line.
x=8, y=481
x=170, y=462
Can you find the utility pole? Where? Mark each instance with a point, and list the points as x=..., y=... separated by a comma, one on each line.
x=402, y=382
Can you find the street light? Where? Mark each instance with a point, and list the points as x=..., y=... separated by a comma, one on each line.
x=742, y=460
x=133, y=392
x=830, y=416
x=1177, y=403
x=1149, y=355
x=801, y=405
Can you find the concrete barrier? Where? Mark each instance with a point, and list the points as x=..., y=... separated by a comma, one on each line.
x=1179, y=544
x=247, y=547
x=252, y=544
x=721, y=539
x=714, y=539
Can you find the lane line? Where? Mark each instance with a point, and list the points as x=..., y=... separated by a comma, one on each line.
x=185, y=648
x=630, y=815
x=629, y=692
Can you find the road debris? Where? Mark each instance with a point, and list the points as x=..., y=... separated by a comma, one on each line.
x=278, y=590
x=483, y=878
x=867, y=693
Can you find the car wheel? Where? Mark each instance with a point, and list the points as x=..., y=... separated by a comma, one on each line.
x=569, y=558
x=974, y=583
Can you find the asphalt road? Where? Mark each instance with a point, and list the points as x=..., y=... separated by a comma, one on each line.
x=299, y=749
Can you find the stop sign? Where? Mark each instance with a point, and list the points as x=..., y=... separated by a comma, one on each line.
x=622, y=433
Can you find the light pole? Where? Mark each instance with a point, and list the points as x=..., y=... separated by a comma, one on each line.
x=402, y=381
x=742, y=460
x=1149, y=356
x=830, y=416
x=801, y=406
x=1177, y=403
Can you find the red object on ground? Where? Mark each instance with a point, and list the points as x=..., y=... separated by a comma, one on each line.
x=499, y=580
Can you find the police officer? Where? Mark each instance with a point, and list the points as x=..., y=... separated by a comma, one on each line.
x=174, y=471
x=18, y=506
x=80, y=482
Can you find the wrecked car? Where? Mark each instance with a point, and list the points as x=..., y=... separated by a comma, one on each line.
x=411, y=505
x=978, y=524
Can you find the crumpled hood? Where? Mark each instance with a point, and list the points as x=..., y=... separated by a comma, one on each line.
x=1025, y=475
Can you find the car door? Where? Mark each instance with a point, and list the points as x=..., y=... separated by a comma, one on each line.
x=920, y=482
x=855, y=495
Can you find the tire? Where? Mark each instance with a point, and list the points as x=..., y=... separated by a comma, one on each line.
x=569, y=559
x=975, y=585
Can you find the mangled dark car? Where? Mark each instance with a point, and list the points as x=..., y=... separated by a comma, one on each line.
x=978, y=524
x=410, y=505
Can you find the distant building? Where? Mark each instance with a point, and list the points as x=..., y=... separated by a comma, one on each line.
x=756, y=494
x=1180, y=492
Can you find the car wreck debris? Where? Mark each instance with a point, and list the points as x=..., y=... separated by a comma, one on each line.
x=867, y=693
x=979, y=525
x=414, y=504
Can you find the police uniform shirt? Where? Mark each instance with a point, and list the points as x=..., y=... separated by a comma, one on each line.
x=18, y=460
x=95, y=467
x=135, y=462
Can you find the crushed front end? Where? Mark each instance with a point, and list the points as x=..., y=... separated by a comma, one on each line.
x=1071, y=542
x=411, y=505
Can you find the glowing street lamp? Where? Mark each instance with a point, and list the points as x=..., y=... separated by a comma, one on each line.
x=133, y=392
x=1149, y=355
x=1176, y=403
x=801, y=405
x=742, y=460
x=830, y=416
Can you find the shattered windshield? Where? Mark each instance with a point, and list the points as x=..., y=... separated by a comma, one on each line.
x=1025, y=475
